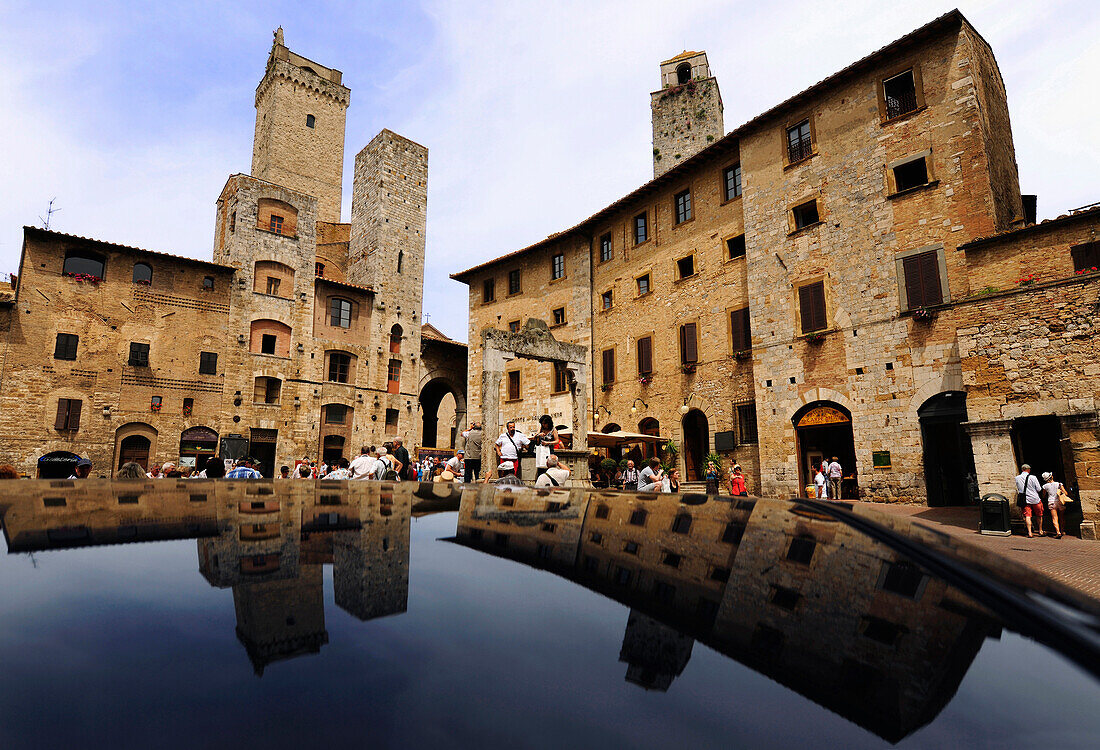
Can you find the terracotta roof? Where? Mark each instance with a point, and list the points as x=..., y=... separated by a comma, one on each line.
x=346, y=285
x=1087, y=212
x=63, y=236
x=681, y=56
x=728, y=141
x=430, y=332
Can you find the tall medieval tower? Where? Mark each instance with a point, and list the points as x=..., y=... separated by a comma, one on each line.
x=299, y=141
x=687, y=110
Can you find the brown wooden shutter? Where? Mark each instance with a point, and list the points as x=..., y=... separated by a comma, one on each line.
x=689, y=350
x=811, y=300
x=609, y=366
x=645, y=356
x=61, y=421
x=74, y=413
x=513, y=385
x=740, y=336
x=930, y=278
x=914, y=295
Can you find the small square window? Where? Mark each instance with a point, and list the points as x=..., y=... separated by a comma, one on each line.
x=643, y=285
x=735, y=247
x=671, y=559
x=784, y=598
x=139, y=355
x=607, y=299
x=513, y=326
x=882, y=631
x=267, y=343
x=805, y=214
x=685, y=267
x=558, y=315
x=911, y=174
x=903, y=578
x=65, y=346
x=603, y=511
x=208, y=363
x=641, y=228
x=273, y=286
x=682, y=206
x=336, y=414
x=311, y=121
x=605, y=248
x=630, y=548
x=720, y=574
x=682, y=524
x=276, y=224
x=549, y=528
x=637, y=518
x=208, y=283
x=595, y=537
x=391, y=419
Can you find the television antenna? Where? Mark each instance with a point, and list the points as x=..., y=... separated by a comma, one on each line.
x=50, y=211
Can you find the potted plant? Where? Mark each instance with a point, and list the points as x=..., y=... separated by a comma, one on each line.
x=1027, y=280
x=688, y=369
x=816, y=338
x=923, y=314
x=742, y=354
x=644, y=380
x=1084, y=271
x=605, y=387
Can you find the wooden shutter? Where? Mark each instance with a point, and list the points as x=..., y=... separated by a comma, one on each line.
x=689, y=350
x=740, y=336
x=513, y=385
x=922, y=280
x=61, y=421
x=260, y=391
x=811, y=300
x=74, y=414
x=645, y=356
x=609, y=366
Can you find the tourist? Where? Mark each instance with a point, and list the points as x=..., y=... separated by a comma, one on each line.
x=506, y=475
x=131, y=470
x=671, y=483
x=214, y=469
x=284, y=472
x=83, y=469
x=835, y=474
x=1027, y=498
x=341, y=471
x=304, y=471
x=245, y=470
x=401, y=453
x=7, y=471
x=166, y=469
x=510, y=444
x=473, y=437
x=545, y=440
x=738, y=488
x=362, y=465
x=387, y=467
x=1056, y=497
x=425, y=468
x=453, y=468
x=556, y=474
x=712, y=476
x=821, y=491
x=154, y=472
x=650, y=478
x=630, y=476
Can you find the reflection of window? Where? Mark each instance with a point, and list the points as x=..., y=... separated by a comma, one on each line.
x=339, y=365
x=637, y=518
x=68, y=414
x=682, y=524
x=903, y=578
x=65, y=348
x=630, y=548
x=340, y=313
x=733, y=532
x=802, y=550
x=603, y=511
x=139, y=355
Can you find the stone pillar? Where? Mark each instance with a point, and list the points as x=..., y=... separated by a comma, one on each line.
x=1082, y=432
x=492, y=373
x=578, y=385
x=994, y=457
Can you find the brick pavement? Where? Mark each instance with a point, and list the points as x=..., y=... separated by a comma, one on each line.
x=1072, y=561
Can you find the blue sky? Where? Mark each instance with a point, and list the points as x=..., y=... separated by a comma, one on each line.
x=536, y=114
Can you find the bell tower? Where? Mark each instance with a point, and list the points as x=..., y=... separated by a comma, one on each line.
x=687, y=110
x=300, y=114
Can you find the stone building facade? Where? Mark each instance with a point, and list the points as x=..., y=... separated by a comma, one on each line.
x=811, y=284
x=299, y=338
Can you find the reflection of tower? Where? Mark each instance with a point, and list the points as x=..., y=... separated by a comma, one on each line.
x=371, y=565
x=281, y=619
x=656, y=654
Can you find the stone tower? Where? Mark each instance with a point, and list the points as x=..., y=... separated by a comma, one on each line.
x=687, y=110
x=299, y=141
x=388, y=222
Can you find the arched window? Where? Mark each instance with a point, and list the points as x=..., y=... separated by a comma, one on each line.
x=311, y=121
x=277, y=216
x=270, y=337
x=400, y=260
x=273, y=278
x=683, y=73
x=395, y=339
x=81, y=263
x=143, y=273
x=339, y=312
x=208, y=283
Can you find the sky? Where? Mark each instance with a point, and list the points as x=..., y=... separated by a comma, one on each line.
x=535, y=114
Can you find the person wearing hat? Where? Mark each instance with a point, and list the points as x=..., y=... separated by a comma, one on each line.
x=1056, y=495
x=1027, y=497
x=83, y=468
x=245, y=470
x=454, y=465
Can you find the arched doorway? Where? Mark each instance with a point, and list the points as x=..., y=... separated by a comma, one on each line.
x=824, y=431
x=57, y=465
x=134, y=448
x=696, y=444
x=197, y=444
x=439, y=406
x=948, y=456
x=650, y=426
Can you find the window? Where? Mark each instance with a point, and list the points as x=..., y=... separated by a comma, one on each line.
x=65, y=347
x=208, y=283
x=607, y=299
x=720, y=574
x=267, y=343
x=645, y=355
x=188, y=408
x=689, y=348
x=391, y=424
x=488, y=291
x=911, y=174
x=683, y=73
x=643, y=285
x=561, y=378
x=208, y=363
x=903, y=578
x=799, y=145
x=881, y=630
x=339, y=366
x=273, y=286
x=396, y=334
x=922, y=279
x=622, y=576
x=591, y=564
x=682, y=204
x=513, y=327
x=319, y=269
x=608, y=366
x=513, y=385
x=740, y=334
x=631, y=548
x=143, y=273
x=805, y=214
x=83, y=264
x=746, y=423
x=400, y=261
x=1085, y=256
x=557, y=266
x=802, y=550
x=68, y=414
x=605, y=248
x=811, y=305
x=336, y=414
x=558, y=316
x=671, y=559
x=603, y=511
x=276, y=223
x=735, y=247
x=685, y=267
x=339, y=311
x=900, y=93
x=393, y=376
x=682, y=524
x=641, y=228
x=139, y=355
x=731, y=181
x=514, y=286
x=232, y=222
x=267, y=391
x=637, y=518
x=311, y=121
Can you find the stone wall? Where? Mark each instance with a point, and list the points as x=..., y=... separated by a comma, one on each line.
x=686, y=119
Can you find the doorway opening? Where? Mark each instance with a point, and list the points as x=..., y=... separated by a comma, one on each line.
x=197, y=444
x=134, y=448
x=823, y=430
x=948, y=455
x=696, y=444
x=332, y=449
x=262, y=448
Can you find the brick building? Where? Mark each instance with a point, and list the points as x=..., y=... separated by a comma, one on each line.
x=300, y=337
x=841, y=275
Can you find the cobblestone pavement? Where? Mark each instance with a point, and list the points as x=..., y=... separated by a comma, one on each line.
x=1075, y=562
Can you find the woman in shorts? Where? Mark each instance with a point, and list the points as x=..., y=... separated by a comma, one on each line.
x=1055, y=494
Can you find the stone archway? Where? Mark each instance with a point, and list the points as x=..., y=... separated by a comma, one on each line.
x=133, y=442
x=434, y=396
x=823, y=430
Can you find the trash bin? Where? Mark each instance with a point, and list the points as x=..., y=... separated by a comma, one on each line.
x=996, y=518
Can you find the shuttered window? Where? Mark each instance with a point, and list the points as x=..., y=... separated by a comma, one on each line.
x=645, y=355
x=689, y=344
x=561, y=378
x=811, y=303
x=65, y=348
x=513, y=385
x=68, y=414
x=1085, y=257
x=740, y=336
x=608, y=365
x=922, y=280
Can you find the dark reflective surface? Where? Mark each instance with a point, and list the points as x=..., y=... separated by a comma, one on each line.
x=230, y=614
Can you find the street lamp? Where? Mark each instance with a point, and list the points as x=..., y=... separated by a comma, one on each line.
x=684, y=406
x=634, y=407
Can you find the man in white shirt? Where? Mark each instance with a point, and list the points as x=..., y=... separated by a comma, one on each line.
x=819, y=485
x=363, y=464
x=454, y=465
x=1028, y=487
x=509, y=445
x=555, y=475
x=835, y=474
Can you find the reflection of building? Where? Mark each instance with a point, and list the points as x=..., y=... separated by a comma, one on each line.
x=801, y=598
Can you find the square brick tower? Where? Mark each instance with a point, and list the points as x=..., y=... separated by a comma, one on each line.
x=300, y=114
x=687, y=110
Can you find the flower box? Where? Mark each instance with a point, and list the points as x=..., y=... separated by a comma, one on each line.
x=816, y=338
x=923, y=314
x=687, y=369
x=742, y=354
x=1027, y=280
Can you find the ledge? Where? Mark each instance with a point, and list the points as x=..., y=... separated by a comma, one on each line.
x=910, y=191
x=800, y=230
x=800, y=162
x=904, y=116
